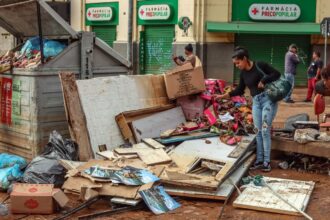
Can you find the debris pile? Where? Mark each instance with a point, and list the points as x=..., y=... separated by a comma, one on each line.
x=305, y=163
x=30, y=56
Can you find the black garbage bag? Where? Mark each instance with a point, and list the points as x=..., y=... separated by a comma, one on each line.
x=46, y=169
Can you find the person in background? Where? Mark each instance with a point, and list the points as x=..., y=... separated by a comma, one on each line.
x=313, y=74
x=322, y=87
x=255, y=75
x=190, y=57
x=291, y=62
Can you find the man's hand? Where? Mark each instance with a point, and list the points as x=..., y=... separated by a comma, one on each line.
x=261, y=85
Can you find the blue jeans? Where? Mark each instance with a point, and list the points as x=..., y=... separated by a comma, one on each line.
x=264, y=112
x=290, y=77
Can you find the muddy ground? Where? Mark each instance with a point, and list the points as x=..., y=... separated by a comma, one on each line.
x=192, y=209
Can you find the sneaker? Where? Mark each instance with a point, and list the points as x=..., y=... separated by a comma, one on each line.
x=256, y=166
x=307, y=100
x=289, y=101
x=266, y=167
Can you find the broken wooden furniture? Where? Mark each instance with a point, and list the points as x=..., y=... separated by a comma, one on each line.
x=263, y=198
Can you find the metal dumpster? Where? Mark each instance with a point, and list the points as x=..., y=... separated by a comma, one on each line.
x=31, y=99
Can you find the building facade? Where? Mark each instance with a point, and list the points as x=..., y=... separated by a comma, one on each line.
x=161, y=28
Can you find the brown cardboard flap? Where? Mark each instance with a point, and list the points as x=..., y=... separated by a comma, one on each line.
x=60, y=197
x=179, y=69
x=33, y=189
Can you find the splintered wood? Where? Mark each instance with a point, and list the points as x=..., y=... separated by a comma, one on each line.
x=241, y=147
x=263, y=199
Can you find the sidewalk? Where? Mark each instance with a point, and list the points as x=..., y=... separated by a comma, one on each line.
x=286, y=110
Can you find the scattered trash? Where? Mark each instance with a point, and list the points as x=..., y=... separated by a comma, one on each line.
x=102, y=173
x=8, y=160
x=10, y=175
x=134, y=177
x=3, y=210
x=226, y=117
x=46, y=168
x=305, y=163
x=158, y=200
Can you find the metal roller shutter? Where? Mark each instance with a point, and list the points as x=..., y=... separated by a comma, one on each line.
x=158, y=49
x=106, y=33
x=272, y=49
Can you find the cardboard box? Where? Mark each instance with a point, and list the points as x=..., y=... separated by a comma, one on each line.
x=32, y=198
x=36, y=198
x=184, y=80
x=61, y=199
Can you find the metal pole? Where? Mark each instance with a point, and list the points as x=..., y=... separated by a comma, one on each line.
x=41, y=43
x=325, y=42
x=130, y=32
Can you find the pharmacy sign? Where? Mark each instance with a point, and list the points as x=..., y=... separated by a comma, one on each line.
x=99, y=14
x=274, y=12
x=154, y=12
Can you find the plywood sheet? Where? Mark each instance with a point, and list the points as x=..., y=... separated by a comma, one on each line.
x=224, y=191
x=262, y=198
x=153, y=125
x=154, y=156
x=104, y=98
x=152, y=143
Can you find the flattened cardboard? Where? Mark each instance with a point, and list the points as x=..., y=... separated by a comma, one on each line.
x=184, y=80
x=61, y=199
x=32, y=199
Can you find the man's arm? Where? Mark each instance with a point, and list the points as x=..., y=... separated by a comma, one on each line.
x=294, y=58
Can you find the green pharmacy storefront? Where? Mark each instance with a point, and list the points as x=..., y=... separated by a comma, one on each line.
x=103, y=20
x=157, y=19
x=267, y=28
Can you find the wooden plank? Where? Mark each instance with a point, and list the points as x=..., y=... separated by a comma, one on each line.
x=224, y=191
x=318, y=149
x=241, y=147
x=154, y=125
x=182, y=138
x=75, y=116
x=154, y=156
x=224, y=171
x=152, y=143
x=207, y=183
x=262, y=198
x=126, y=151
x=110, y=155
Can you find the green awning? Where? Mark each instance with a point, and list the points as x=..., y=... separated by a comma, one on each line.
x=263, y=28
